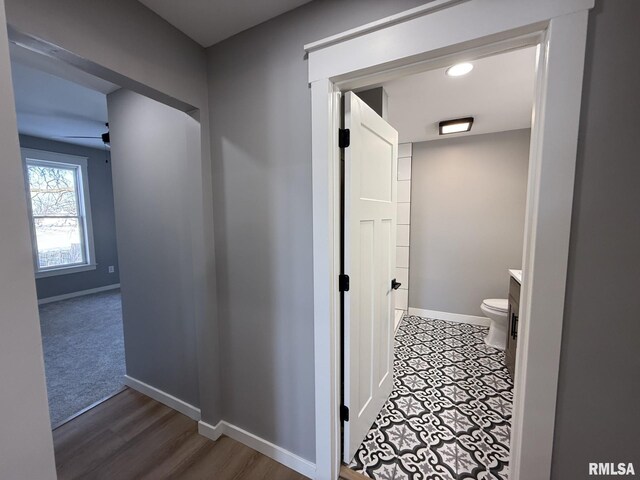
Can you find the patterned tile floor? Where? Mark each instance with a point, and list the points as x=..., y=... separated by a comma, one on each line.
x=449, y=414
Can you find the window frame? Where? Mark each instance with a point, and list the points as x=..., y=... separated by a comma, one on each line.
x=60, y=160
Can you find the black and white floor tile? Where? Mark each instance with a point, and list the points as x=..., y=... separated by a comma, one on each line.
x=449, y=414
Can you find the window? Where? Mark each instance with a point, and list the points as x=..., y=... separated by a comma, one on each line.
x=60, y=212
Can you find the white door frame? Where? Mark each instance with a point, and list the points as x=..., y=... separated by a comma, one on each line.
x=437, y=34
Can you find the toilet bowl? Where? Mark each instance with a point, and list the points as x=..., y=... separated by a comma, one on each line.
x=497, y=310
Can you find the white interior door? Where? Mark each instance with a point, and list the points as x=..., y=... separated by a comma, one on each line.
x=369, y=260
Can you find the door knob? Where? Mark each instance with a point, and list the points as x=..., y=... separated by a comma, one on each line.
x=395, y=284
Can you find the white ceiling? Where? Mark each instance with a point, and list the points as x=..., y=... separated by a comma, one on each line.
x=211, y=21
x=55, y=101
x=498, y=93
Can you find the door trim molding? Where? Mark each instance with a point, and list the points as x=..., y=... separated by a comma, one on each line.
x=419, y=11
x=425, y=41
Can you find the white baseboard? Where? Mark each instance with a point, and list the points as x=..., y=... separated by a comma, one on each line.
x=398, y=314
x=78, y=294
x=279, y=454
x=209, y=431
x=163, y=397
x=451, y=317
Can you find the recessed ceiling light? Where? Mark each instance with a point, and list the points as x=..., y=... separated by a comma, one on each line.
x=459, y=69
x=457, y=125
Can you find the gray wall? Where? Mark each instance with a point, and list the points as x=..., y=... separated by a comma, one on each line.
x=468, y=200
x=261, y=151
x=26, y=447
x=599, y=387
x=151, y=158
x=126, y=43
x=376, y=98
x=104, y=228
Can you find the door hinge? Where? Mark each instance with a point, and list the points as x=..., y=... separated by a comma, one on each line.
x=344, y=413
x=343, y=283
x=344, y=137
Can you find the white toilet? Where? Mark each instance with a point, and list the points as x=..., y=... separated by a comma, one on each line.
x=497, y=310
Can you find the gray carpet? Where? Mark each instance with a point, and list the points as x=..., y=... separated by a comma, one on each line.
x=83, y=351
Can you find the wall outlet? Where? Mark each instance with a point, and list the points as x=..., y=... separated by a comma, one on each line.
x=112, y=269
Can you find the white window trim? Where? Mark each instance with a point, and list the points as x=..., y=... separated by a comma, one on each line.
x=84, y=201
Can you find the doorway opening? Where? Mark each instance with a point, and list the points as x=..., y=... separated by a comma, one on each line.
x=351, y=60
x=64, y=139
x=140, y=331
x=460, y=228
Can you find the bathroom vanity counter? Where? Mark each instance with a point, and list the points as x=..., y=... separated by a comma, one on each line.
x=516, y=275
x=515, y=282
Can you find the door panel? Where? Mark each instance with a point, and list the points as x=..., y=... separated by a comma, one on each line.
x=375, y=181
x=369, y=260
x=385, y=348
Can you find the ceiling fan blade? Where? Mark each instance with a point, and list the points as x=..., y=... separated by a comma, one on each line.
x=76, y=136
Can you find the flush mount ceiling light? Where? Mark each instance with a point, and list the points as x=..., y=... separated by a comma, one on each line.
x=457, y=125
x=459, y=69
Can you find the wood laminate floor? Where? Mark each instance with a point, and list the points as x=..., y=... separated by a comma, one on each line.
x=131, y=436
x=347, y=474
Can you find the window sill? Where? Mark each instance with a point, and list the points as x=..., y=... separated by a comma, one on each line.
x=65, y=270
